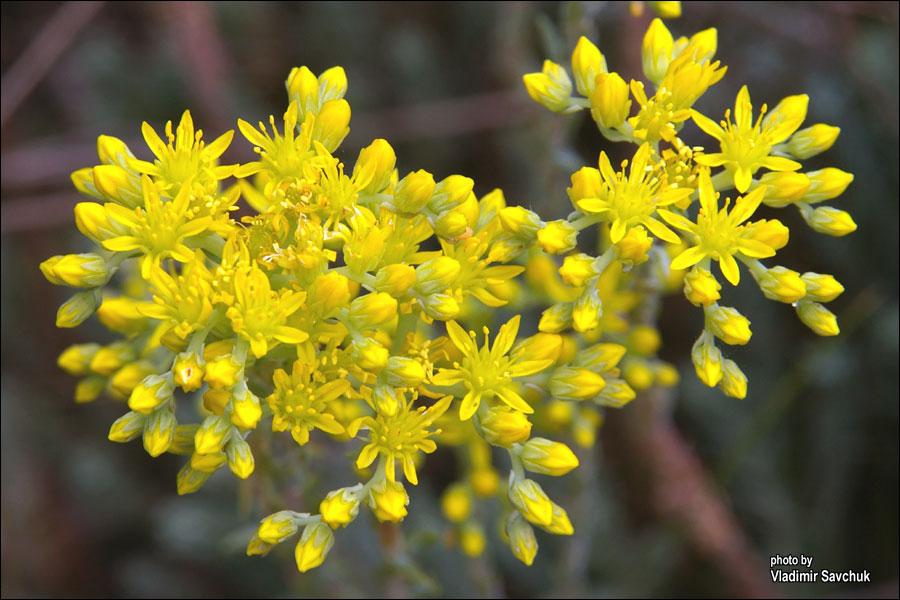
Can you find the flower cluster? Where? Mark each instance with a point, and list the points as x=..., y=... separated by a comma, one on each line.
x=341, y=309
x=666, y=208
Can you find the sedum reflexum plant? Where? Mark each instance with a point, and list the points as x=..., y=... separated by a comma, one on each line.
x=343, y=308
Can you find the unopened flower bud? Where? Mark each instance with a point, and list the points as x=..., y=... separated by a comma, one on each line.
x=388, y=501
x=503, y=426
x=818, y=318
x=730, y=326
x=150, y=393
x=541, y=455
x=315, y=542
x=240, y=458
x=557, y=237
x=414, y=191
x=822, y=288
x=700, y=287
x=340, y=507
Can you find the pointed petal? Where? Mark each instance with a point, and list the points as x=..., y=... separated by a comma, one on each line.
x=730, y=269
x=469, y=405
x=707, y=125
x=660, y=230
x=688, y=258
x=506, y=337
x=754, y=249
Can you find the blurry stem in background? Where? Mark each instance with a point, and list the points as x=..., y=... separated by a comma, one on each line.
x=788, y=387
x=666, y=480
x=42, y=53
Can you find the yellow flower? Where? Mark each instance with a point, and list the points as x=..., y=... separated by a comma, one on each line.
x=747, y=145
x=159, y=228
x=300, y=402
x=259, y=312
x=719, y=234
x=488, y=372
x=630, y=201
x=400, y=436
x=315, y=542
x=185, y=159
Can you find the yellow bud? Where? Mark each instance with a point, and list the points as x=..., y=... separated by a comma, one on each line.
x=818, y=318
x=240, y=458
x=557, y=237
x=541, y=346
x=441, y=307
x=127, y=427
x=782, y=285
x=257, y=547
x=667, y=375
x=113, y=151
x=78, y=270
x=332, y=124
x=187, y=371
x=551, y=87
x=119, y=185
x=183, y=442
x=83, y=180
x=313, y=547
x=600, y=357
x=436, y=275
x=577, y=268
x=450, y=192
x=587, y=311
x=150, y=393
x=784, y=187
x=190, y=480
x=638, y=375
x=587, y=63
x=279, y=526
x=813, y=140
x=341, y=506
x=586, y=183
x=531, y=500
x=786, y=117
x=734, y=382
x=632, y=249
x=667, y=9
x=329, y=293
x=541, y=455
x=171, y=340
x=616, y=394
x=303, y=87
x=159, y=431
x=503, y=426
x=246, y=410
x=208, y=463
x=484, y=481
x=707, y=359
x=556, y=318
x=332, y=84
x=223, y=372
x=772, y=233
x=215, y=401
x=388, y=501
x=369, y=354
x=380, y=158
x=92, y=220
x=214, y=432
x=451, y=225
x=395, y=279
x=826, y=184
x=471, y=539
x=89, y=388
x=573, y=383
x=700, y=287
x=404, y=372
x=414, y=191
x=656, y=51
x=703, y=44
x=560, y=524
x=610, y=102
x=129, y=376
x=521, y=539
x=372, y=310
x=48, y=269
x=644, y=340
x=121, y=315
x=830, y=221
x=456, y=503
x=822, y=288
x=109, y=359
x=520, y=222
x=76, y=309
x=75, y=360
x=730, y=326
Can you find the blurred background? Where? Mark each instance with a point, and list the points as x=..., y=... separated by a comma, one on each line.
x=689, y=494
